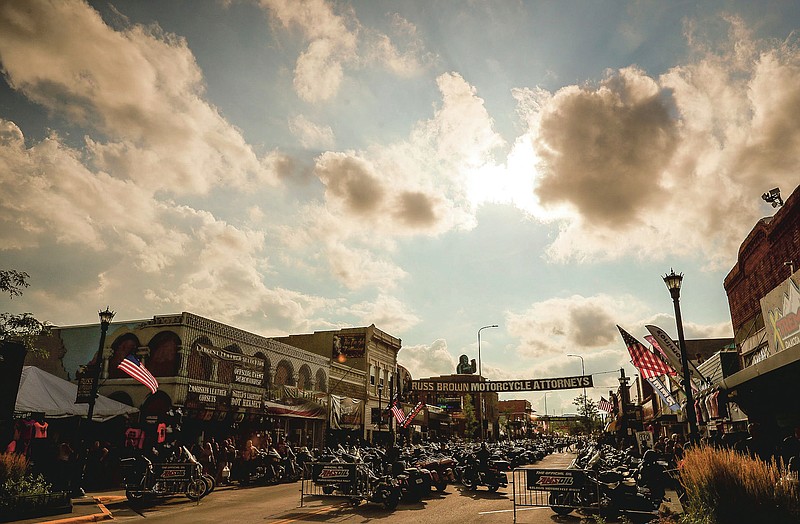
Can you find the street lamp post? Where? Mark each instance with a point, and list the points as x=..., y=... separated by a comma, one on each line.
x=480, y=374
x=673, y=283
x=583, y=373
x=105, y=319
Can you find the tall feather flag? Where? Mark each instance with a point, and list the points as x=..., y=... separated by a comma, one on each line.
x=648, y=363
x=136, y=369
x=605, y=405
x=413, y=414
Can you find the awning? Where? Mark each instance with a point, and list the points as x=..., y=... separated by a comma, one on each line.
x=42, y=392
x=304, y=410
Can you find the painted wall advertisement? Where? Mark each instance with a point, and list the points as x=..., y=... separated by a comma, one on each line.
x=350, y=346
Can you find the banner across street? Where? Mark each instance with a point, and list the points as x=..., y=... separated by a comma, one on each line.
x=534, y=384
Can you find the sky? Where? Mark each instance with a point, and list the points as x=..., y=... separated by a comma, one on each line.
x=427, y=166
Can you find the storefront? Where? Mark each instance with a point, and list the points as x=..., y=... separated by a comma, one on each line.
x=214, y=380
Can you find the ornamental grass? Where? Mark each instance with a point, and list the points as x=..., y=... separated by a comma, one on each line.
x=726, y=487
x=12, y=467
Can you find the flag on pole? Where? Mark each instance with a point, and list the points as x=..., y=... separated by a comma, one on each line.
x=605, y=405
x=135, y=369
x=397, y=411
x=648, y=363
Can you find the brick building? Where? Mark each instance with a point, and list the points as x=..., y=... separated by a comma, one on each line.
x=764, y=299
x=515, y=415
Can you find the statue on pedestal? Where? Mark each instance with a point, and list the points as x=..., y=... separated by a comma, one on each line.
x=465, y=367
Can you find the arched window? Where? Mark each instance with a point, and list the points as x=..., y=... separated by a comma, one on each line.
x=200, y=364
x=163, y=361
x=304, y=377
x=123, y=346
x=284, y=374
x=121, y=396
x=321, y=381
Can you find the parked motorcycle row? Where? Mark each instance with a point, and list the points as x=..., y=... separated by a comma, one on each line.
x=389, y=477
x=612, y=483
x=386, y=477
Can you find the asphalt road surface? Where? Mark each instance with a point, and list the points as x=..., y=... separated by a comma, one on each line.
x=281, y=505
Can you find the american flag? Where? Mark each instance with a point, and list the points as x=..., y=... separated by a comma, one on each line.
x=648, y=363
x=135, y=369
x=605, y=405
x=397, y=411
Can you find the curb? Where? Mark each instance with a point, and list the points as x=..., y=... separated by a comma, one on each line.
x=94, y=517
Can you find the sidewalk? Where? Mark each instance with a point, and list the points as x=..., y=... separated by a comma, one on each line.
x=93, y=507
x=97, y=507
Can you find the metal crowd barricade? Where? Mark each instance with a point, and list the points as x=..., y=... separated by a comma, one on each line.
x=534, y=487
x=333, y=479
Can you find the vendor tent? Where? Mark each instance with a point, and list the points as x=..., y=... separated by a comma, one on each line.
x=41, y=392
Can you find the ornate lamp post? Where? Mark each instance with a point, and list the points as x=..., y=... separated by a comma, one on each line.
x=105, y=319
x=673, y=283
x=480, y=394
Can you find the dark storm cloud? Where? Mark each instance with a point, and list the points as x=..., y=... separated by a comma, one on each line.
x=591, y=325
x=604, y=149
x=350, y=180
x=416, y=209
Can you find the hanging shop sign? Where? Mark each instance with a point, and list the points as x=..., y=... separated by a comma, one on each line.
x=502, y=386
x=215, y=398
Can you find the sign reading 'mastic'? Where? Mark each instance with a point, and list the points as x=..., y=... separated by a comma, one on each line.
x=540, y=384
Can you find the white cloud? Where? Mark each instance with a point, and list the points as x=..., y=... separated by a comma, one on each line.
x=311, y=135
x=337, y=42
x=387, y=312
x=427, y=360
x=680, y=160
x=139, y=87
x=546, y=328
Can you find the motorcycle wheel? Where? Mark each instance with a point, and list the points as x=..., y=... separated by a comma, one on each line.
x=327, y=489
x=441, y=485
x=211, y=482
x=559, y=503
x=196, y=489
x=390, y=498
x=134, y=496
x=468, y=482
x=493, y=487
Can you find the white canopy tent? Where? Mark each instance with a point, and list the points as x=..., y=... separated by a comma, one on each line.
x=41, y=392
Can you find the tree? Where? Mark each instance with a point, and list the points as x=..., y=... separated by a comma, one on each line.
x=23, y=328
x=587, y=409
x=471, y=424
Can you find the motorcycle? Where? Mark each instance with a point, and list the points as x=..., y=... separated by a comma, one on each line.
x=492, y=476
x=144, y=479
x=620, y=490
x=352, y=478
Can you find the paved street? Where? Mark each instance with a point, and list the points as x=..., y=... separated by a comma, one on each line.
x=281, y=504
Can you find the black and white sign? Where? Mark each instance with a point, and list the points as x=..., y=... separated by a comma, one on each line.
x=501, y=386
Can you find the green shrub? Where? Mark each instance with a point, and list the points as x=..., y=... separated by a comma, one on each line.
x=724, y=487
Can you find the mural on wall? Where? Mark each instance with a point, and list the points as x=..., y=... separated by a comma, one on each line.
x=349, y=346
